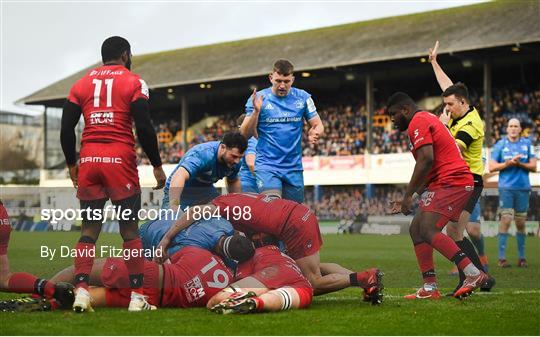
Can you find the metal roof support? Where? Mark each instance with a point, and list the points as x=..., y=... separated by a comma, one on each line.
x=369, y=108
x=487, y=103
x=184, y=119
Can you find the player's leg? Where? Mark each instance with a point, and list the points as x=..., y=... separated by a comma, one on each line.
x=129, y=230
x=521, y=208
x=506, y=211
x=431, y=224
x=240, y=288
x=20, y=282
x=293, y=186
x=424, y=256
x=269, y=182
x=85, y=250
x=280, y=299
x=68, y=274
x=474, y=229
x=333, y=268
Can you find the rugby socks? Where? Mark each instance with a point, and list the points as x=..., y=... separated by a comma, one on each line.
x=503, y=238
x=478, y=242
x=359, y=279
x=28, y=283
x=84, y=260
x=467, y=247
x=424, y=256
x=520, y=237
x=448, y=248
x=259, y=303
x=5, y=230
x=135, y=264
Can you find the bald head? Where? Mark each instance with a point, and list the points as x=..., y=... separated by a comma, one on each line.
x=513, y=129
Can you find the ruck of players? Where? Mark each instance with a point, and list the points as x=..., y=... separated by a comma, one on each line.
x=256, y=248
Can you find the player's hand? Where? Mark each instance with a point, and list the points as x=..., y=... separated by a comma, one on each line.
x=395, y=206
x=516, y=159
x=445, y=116
x=432, y=56
x=406, y=205
x=160, y=176
x=73, y=172
x=257, y=101
x=313, y=136
x=509, y=163
x=162, y=246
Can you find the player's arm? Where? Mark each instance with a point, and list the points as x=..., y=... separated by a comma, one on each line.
x=71, y=114
x=147, y=137
x=316, y=129
x=250, y=161
x=186, y=220
x=178, y=181
x=529, y=166
x=496, y=163
x=249, y=126
x=424, y=163
x=443, y=79
x=233, y=185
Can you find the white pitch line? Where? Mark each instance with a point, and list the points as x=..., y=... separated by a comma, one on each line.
x=516, y=292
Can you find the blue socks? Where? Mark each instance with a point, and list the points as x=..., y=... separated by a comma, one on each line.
x=520, y=237
x=503, y=238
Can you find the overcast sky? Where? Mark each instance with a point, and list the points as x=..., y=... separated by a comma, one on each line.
x=45, y=41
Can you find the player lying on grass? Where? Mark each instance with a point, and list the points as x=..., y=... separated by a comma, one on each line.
x=290, y=222
x=191, y=278
x=270, y=281
x=59, y=294
x=441, y=169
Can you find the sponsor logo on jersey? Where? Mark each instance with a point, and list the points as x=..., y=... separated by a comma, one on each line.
x=104, y=160
x=299, y=104
x=194, y=289
x=269, y=106
x=101, y=118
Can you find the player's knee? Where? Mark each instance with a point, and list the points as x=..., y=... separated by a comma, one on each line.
x=507, y=214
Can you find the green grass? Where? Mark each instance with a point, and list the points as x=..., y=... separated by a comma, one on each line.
x=513, y=308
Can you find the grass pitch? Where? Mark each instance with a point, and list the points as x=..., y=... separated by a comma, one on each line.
x=513, y=308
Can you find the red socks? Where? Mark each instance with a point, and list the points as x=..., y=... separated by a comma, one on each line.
x=84, y=260
x=448, y=248
x=5, y=230
x=135, y=264
x=424, y=256
x=28, y=283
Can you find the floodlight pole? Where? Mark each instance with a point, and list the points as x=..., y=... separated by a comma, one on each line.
x=184, y=118
x=487, y=102
x=369, y=107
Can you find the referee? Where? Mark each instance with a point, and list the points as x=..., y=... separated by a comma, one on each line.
x=467, y=127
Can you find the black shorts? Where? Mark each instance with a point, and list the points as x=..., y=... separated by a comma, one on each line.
x=477, y=192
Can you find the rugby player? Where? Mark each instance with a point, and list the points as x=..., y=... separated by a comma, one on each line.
x=111, y=98
x=441, y=169
x=276, y=116
x=192, y=181
x=57, y=294
x=270, y=281
x=467, y=127
x=288, y=221
x=513, y=156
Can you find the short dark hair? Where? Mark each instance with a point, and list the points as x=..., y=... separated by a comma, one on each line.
x=240, y=119
x=283, y=67
x=400, y=99
x=459, y=90
x=235, y=139
x=238, y=248
x=113, y=48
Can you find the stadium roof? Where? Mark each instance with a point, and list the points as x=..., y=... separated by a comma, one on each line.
x=485, y=25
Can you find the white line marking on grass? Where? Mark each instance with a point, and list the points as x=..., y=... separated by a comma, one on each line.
x=516, y=292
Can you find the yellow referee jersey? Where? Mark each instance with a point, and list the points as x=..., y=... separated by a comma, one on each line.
x=469, y=133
